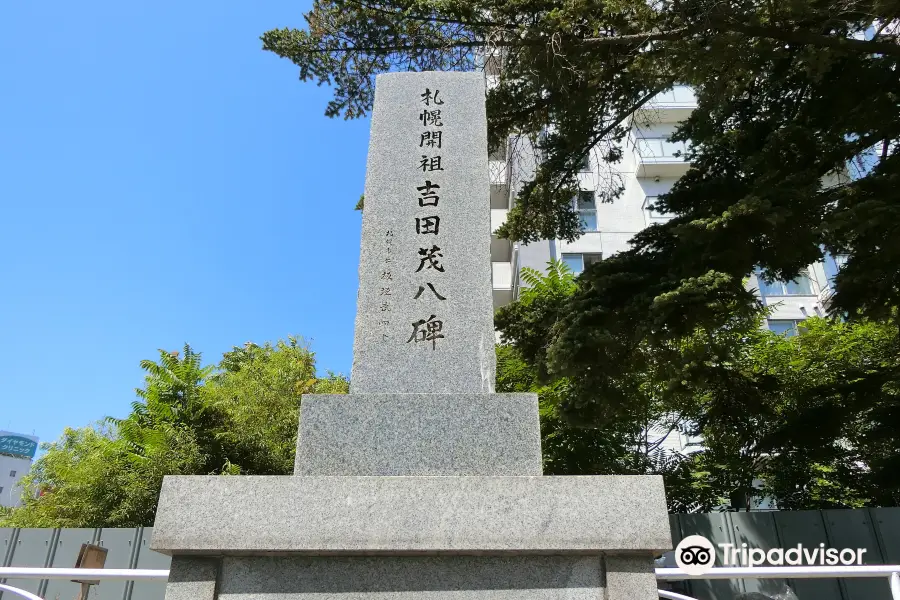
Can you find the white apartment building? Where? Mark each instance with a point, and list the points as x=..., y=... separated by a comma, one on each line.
x=17, y=451
x=650, y=167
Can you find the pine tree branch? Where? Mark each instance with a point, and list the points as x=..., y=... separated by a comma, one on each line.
x=400, y=16
x=808, y=38
x=794, y=36
x=638, y=38
x=606, y=130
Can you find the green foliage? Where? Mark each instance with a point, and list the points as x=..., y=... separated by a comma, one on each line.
x=259, y=389
x=814, y=416
x=170, y=405
x=529, y=322
x=609, y=443
x=614, y=448
x=841, y=430
x=567, y=450
x=88, y=478
x=804, y=414
x=237, y=417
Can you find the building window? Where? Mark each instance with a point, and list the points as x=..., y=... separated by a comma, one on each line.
x=585, y=163
x=653, y=215
x=577, y=262
x=574, y=262
x=586, y=205
x=12, y=473
x=1, y=489
x=785, y=327
x=802, y=286
x=832, y=264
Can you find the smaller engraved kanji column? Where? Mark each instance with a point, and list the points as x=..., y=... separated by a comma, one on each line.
x=424, y=322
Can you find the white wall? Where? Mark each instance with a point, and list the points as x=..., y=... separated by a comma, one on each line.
x=11, y=494
x=620, y=220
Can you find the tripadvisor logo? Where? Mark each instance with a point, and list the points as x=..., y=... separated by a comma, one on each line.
x=695, y=555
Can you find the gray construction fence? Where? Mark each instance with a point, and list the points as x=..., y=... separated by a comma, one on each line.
x=876, y=529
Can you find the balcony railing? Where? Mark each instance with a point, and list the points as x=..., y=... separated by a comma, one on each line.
x=653, y=215
x=501, y=250
x=501, y=280
x=660, y=148
x=680, y=94
x=498, y=218
x=672, y=106
x=659, y=157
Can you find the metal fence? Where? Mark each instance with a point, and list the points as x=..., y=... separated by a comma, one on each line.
x=877, y=530
x=128, y=549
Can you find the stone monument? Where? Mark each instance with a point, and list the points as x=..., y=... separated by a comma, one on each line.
x=422, y=481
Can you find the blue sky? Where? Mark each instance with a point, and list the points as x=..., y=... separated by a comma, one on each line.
x=162, y=180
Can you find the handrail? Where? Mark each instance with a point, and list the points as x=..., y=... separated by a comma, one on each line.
x=92, y=574
x=18, y=592
x=673, y=574
x=673, y=595
x=892, y=572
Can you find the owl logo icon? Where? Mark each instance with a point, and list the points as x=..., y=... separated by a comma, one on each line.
x=695, y=555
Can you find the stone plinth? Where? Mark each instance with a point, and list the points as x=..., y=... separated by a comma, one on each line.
x=419, y=434
x=412, y=515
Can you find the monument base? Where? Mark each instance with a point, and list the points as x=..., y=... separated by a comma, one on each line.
x=389, y=538
x=218, y=515
x=561, y=577
x=420, y=482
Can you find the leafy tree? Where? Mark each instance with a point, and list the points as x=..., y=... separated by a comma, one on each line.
x=801, y=414
x=170, y=402
x=530, y=320
x=89, y=478
x=814, y=416
x=567, y=450
x=259, y=388
x=839, y=443
x=619, y=448
x=794, y=147
x=240, y=416
x=612, y=444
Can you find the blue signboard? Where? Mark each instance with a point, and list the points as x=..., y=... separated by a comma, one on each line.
x=16, y=445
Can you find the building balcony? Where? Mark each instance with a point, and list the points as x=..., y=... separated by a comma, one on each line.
x=657, y=157
x=501, y=250
x=499, y=196
x=501, y=280
x=673, y=106
x=498, y=171
x=498, y=218
x=652, y=215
